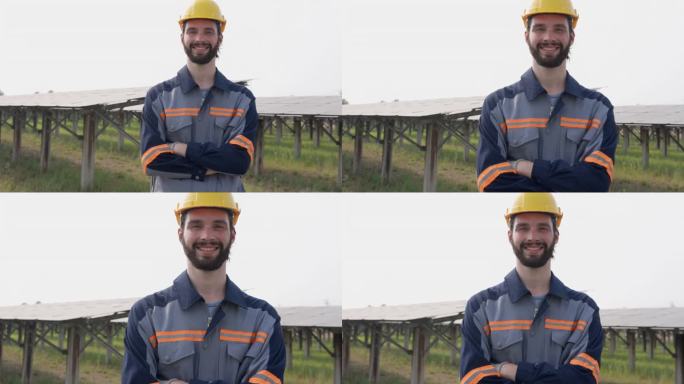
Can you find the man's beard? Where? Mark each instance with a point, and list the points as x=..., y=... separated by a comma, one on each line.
x=201, y=59
x=204, y=264
x=563, y=53
x=536, y=262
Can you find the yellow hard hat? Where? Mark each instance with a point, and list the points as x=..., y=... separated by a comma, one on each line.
x=208, y=200
x=203, y=9
x=562, y=7
x=534, y=202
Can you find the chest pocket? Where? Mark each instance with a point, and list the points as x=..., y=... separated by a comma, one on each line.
x=177, y=360
x=562, y=343
x=576, y=142
x=238, y=357
x=179, y=129
x=507, y=345
x=225, y=128
x=523, y=143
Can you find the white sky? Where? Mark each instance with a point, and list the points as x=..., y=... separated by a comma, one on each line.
x=418, y=49
x=287, y=47
x=623, y=249
x=344, y=249
x=72, y=247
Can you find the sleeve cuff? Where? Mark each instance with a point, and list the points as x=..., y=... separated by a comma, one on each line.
x=525, y=372
x=540, y=170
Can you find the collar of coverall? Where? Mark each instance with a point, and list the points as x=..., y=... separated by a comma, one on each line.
x=517, y=290
x=187, y=83
x=533, y=88
x=187, y=294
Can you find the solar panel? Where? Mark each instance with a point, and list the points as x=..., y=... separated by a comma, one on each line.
x=67, y=311
x=398, y=313
x=416, y=108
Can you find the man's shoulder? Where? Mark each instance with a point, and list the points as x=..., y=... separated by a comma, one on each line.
x=581, y=297
x=157, y=299
x=507, y=92
x=165, y=86
x=490, y=294
x=593, y=94
x=259, y=304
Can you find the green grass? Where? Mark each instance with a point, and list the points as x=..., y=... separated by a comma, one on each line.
x=316, y=170
x=49, y=365
x=395, y=366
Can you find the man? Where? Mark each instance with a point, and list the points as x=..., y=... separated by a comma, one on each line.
x=531, y=328
x=204, y=329
x=198, y=128
x=546, y=132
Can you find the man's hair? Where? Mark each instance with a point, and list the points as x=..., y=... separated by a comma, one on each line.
x=553, y=222
x=569, y=18
x=184, y=215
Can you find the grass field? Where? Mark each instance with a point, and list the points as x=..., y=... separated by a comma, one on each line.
x=49, y=366
x=395, y=367
x=316, y=170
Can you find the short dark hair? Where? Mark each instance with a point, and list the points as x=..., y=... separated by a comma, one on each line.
x=184, y=215
x=529, y=23
x=553, y=222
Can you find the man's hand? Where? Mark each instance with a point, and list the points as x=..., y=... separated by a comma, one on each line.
x=179, y=148
x=508, y=370
x=524, y=167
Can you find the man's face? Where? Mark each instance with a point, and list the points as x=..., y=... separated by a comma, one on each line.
x=549, y=39
x=201, y=40
x=533, y=239
x=206, y=237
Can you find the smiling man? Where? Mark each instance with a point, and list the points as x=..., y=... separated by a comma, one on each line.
x=531, y=328
x=204, y=329
x=198, y=128
x=547, y=132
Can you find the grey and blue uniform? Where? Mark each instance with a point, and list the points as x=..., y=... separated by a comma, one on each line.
x=218, y=125
x=172, y=335
x=571, y=142
x=557, y=341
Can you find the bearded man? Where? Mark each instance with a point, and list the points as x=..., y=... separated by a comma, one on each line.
x=198, y=128
x=531, y=328
x=547, y=132
x=204, y=329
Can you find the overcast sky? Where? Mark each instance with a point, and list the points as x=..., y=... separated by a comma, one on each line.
x=73, y=247
x=286, y=47
x=623, y=249
x=418, y=49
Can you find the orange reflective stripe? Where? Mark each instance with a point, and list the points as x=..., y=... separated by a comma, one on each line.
x=569, y=122
x=153, y=341
x=153, y=153
x=243, y=339
x=600, y=158
x=226, y=112
x=477, y=374
x=178, y=112
x=565, y=325
x=532, y=122
x=492, y=172
x=503, y=322
x=274, y=379
x=588, y=362
x=245, y=143
x=256, y=380
x=243, y=333
x=174, y=339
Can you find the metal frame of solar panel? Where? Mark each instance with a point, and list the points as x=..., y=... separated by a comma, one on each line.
x=100, y=321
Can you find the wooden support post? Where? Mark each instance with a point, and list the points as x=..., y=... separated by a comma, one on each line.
x=337, y=345
x=121, y=126
x=317, y=133
x=307, y=343
x=345, y=351
x=466, y=140
x=300, y=338
x=73, y=354
x=651, y=344
x=453, y=331
x=419, y=133
x=658, y=132
x=358, y=146
x=666, y=140
x=18, y=124
x=2, y=331
x=407, y=337
x=259, y=147
x=45, y=141
x=110, y=338
x=309, y=127
x=88, y=154
x=388, y=140
x=298, y=138
x=374, y=356
x=340, y=157
x=61, y=336
x=29, y=341
x=613, y=341
x=631, y=350
x=626, y=132
x=420, y=346
x=431, y=152
x=34, y=128
x=679, y=358
x=644, y=147
x=288, y=349
x=279, y=130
